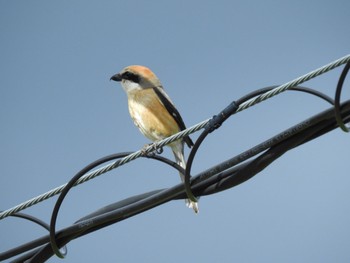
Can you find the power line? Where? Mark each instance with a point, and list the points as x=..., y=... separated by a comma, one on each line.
x=220, y=177
x=175, y=137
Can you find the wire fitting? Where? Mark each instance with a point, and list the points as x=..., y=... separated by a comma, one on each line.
x=216, y=121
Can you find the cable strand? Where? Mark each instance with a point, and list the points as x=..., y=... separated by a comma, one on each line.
x=175, y=137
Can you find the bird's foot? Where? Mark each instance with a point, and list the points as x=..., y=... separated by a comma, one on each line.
x=154, y=149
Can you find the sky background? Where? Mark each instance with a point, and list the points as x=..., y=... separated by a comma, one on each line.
x=59, y=112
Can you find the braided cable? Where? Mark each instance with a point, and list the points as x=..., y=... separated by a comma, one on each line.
x=160, y=144
x=293, y=83
x=103, y=170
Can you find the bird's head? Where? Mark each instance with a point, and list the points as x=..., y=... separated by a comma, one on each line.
x=136, y=77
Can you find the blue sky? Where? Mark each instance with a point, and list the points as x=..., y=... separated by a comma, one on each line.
x=59, y=111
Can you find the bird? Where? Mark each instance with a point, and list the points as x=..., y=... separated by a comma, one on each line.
x=153, y=112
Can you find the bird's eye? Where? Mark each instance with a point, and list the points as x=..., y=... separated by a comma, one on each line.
x=131, y=76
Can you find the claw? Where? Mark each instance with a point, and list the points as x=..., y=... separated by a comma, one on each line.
x=154, y=149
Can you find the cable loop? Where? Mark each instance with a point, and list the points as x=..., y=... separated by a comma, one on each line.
x=152, y=150
x=52, y=228
x=338, y=117
x=177, y=136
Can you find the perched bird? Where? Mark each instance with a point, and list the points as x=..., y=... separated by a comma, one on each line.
x=153, y=112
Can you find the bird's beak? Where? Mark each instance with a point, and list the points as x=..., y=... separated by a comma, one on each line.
x=116, y=77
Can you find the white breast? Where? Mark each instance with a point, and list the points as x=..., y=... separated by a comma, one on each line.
x=130, y=86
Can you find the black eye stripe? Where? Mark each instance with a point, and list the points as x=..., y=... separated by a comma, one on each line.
x=131, y=76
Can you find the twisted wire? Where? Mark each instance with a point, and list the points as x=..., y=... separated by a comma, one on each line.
x=103, y=170
x=184, y=133
x=294, y=82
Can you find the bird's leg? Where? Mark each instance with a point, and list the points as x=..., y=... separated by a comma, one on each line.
x=155, y=149
x=159, y=150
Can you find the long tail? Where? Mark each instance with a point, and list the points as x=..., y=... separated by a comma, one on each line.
x=178, y=150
